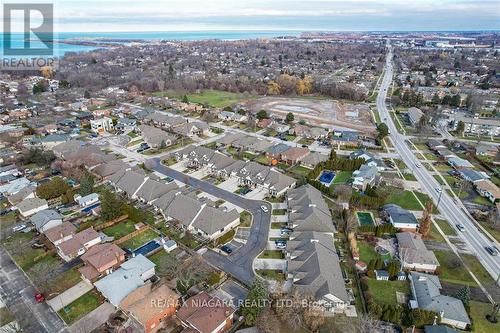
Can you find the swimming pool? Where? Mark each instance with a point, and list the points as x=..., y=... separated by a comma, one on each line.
x=365, y=218
x=326, y=177
x=147, y=248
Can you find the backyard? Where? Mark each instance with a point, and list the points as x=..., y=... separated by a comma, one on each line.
x=139, y=239
x=342, y=177
x=384, y=292
x=120, y=229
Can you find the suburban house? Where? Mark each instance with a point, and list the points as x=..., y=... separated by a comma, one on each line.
x=46, y=219
x=78, y=244
x=192, y=129
x=213, y=222
x=24, y=193
x=414, y=254
x=294, y=155
x=472, y=175
x=102, y=125
x=488, y=189
x=87, y=200
x=437, y=329
x=106, y=169
x=369, y=158
x=426, y=294
x=101, y=259
x=205, y=314
x=231, y=116
x=350, y=138
x=400, y=218
x=459, y=163
x=364, y=176
x=414, y=115
x=15, y=185
x=126, y=124
x=131, y=275
x=30, y=206
x=150, y=304
x=60, y=233
x=312, y=159
x=274, y=152
x=436, y=144
x=312, y=262
x=154, y=189
x=156, y=137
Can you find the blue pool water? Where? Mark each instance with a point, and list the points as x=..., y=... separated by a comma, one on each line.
x=147, y=248
x=327, y=177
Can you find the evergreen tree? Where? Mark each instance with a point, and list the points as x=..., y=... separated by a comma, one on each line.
x=255, y=302
x=463, y=294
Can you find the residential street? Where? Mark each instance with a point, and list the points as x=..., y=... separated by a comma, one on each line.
x=239, y=263
x=19, y=295
x=453, y=211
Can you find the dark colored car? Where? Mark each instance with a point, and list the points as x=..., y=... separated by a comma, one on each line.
x=226, y=249
x=491, y=250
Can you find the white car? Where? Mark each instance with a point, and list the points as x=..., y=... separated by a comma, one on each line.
x=264, y=209
x=439, y=189
x=19, y=227
x=417, y=165
x=460, y=227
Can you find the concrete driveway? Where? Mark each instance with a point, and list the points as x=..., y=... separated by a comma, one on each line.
x=60, y=301
x=279, y=218
x=229, y=185
x=269, y=264
x=257, y=194
x=279, y=205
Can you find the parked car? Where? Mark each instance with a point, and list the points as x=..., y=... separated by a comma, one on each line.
x=280, y=243
x=39, y=298
x=226, y=249
x=264, y=209
x=460, y=227
x=285, y=231
x=19, y=227
x=492, y=251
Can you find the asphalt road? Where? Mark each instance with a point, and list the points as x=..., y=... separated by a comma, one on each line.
x=19, y=295
x=239, y=263
x=450, y=209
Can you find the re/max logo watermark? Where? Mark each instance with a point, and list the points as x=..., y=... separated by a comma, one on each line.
x=33, y=47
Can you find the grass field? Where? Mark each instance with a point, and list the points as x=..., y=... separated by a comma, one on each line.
x=139, y=239
x=120, y=229
x=299, y=170
x=215, y=98
x=80, y=307
x=384, y=292
x=446, y=228
x=342, y=177
x=367, y=252
x=478, y=311
x=272, y=254
x=245, y=219
x=407, y=200
x=451, y=269
x=271, y=274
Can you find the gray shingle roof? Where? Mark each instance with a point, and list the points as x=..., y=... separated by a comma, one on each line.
x=211, y=219
x=426, y=289
x=400, y=215
x=415, y=249
x=43, y=217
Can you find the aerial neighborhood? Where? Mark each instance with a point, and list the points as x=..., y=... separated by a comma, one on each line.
x=204, y=202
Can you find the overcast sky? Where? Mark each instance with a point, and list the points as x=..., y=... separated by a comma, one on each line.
x=305, y=15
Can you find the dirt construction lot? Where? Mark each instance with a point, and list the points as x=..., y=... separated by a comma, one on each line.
x=319, y=112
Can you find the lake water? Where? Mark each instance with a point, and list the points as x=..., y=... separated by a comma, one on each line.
x=61, y=49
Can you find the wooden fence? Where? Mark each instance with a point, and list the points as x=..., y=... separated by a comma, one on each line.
x=110, y=223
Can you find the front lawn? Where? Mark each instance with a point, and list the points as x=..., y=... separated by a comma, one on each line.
x=279, y=211
x=409, y=176
x=305, y=141
x=384, y=292
x=271, y=274
x=478, y=312
x=18, y=245
x=446, y=227
x=278, y=225
x=139, y=239
x=245, y=219
x=272, y=254
x=80, y=307
x=451, y=268
x=120, y=229
x=262, y=159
